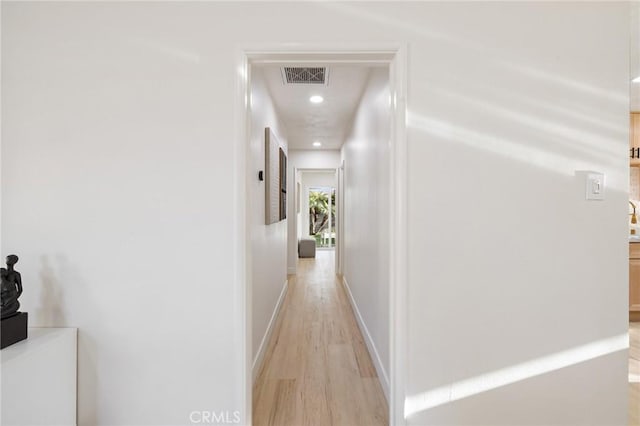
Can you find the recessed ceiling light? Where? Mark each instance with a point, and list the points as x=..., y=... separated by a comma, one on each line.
x=316, y=99
x=317, y=144
x=636, y=80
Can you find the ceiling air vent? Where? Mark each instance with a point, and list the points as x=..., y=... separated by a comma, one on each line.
x=305, y=75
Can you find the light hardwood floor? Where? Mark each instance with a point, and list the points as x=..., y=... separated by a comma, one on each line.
x=317, y=369
x=634, y=373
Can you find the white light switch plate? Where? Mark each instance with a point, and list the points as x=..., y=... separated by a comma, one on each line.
x=594, y=186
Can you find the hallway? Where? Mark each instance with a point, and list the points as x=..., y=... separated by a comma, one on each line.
x=317, y=370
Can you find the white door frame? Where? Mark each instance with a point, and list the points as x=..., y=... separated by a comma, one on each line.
x=339, y=219
x=300, y=53
x=305, y=196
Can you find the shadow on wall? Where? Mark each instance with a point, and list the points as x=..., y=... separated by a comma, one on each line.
x=52, y=312
x=51, y=309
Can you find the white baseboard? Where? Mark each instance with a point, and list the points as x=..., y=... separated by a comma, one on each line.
x=257, y=362
x=291, y=270
x=382, y=373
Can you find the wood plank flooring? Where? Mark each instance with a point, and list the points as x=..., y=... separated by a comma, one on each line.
x=634, y=373
x=317, y=369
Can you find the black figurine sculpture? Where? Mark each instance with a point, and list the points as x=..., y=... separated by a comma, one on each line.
x=14, y=322
x=11, y=288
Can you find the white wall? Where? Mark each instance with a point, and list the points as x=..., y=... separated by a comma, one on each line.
x=268, y=242
x=303, y=159
x=366, y=154
x=118, y=176
x=509, y=265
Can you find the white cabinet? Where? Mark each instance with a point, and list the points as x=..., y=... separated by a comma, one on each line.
x=39, y=379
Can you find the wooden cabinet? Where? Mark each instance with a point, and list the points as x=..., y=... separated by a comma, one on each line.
x=634, y=138
x=634, y=281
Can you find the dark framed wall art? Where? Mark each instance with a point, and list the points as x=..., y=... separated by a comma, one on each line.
x=275, y=179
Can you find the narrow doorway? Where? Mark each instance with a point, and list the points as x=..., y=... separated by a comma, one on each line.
x=320, y=192
x=351, y=354
x=319, y=217
x=322, y=216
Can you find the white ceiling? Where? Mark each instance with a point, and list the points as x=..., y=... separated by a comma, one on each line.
x=327, y=122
